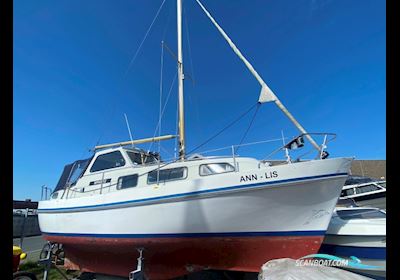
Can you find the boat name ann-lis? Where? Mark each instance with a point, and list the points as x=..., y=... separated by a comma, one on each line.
x=255, y=177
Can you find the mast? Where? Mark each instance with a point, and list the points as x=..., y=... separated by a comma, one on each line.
x=181, y=123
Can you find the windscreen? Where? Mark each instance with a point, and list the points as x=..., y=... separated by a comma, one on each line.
x=360, y=214
x=352, y=180
x=71, y=173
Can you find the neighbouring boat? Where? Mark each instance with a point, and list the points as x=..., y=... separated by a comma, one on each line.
x=365, y=191
x=193, y=213
x=358, y=232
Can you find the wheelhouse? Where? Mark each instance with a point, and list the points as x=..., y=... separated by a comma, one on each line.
x=115, y=169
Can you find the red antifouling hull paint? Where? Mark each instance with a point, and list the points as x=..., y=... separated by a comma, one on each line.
x=166, y=258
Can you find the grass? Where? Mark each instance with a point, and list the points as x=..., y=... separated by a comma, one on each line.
x=38, y=270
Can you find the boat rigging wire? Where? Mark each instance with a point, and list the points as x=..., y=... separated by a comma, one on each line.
x=163, y=110
x=189, y=47
x=129, y=129
x=112, y=108
x=245, y=144
x=170, y=52
x=176, y=59
x=205, y=142
x=166, y=151
x=167, y=24
x=235, y=50
x=266, y=94
x=248, y=128
x=176, y=130
x=144, y=38
x=223, y=129
x=159, y=113
x=161, y=77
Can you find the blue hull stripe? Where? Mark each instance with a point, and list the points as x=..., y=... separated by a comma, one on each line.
x=188, y=194
x=206, y=234
x=377, y=253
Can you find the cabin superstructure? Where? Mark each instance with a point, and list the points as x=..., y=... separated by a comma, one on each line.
x=118, y=168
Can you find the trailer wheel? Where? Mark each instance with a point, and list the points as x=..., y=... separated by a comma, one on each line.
x=57, y=251
x=45, y=250
x=23, y=275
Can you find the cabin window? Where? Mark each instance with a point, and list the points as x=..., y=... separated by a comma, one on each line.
x=79, y=168
x=361, y=214
x=136, y=158
x=107, y=161
x=140, y=158
x=54, y=195
x=165, y=175
x=126, y=182
x=215, y=168
x=147, y=158
x=347, y=192
x=367, y=188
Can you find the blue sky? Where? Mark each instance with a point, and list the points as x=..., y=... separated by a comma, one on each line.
x=324, y=59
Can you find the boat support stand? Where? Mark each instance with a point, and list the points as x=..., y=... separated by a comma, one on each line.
x=138, y=274
x=48, y=261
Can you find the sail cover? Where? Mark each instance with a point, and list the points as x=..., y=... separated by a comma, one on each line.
x=71, y=173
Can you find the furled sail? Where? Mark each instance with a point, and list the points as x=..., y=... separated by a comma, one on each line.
x=266, y=94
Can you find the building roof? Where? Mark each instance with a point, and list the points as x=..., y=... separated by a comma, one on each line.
x=23, y=204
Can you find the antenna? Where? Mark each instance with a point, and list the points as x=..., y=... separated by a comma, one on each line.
x=129, y=130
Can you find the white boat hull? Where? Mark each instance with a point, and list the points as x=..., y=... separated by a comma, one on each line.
x=264, y=209
x=370, y=250
x=375, y=202
x=294, y=208
x=361, y=233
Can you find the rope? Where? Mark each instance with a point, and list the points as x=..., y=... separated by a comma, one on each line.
x=248, y=128
x=144, y=38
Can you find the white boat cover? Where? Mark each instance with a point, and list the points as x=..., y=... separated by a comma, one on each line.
x=286, y=269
